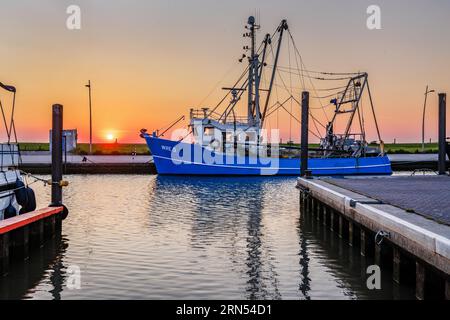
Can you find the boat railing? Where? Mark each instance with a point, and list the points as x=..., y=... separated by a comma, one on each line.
x=206, y=114
x=9, y=153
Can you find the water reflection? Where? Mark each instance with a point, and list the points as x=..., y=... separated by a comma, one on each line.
x=304, y=259
x=44, y=262
x=156, y=237
x=220, y=211
x=346, y=267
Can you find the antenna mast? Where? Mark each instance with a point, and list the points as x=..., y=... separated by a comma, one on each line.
x=253, y=110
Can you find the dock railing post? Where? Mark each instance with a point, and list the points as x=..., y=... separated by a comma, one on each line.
x=304, y=134
x=442, y=133
x=57, y=167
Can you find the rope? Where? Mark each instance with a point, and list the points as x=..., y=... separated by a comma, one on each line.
x=326, y=73
x=36, y=179
x=310, y=80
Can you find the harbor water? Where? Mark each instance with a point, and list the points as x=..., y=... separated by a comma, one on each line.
x=157, y=237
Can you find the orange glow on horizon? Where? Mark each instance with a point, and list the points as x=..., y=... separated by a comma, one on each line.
x=149, y=63
x=110, y=136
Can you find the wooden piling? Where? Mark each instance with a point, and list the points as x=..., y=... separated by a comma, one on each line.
x=442, y=134
x=40, y=232
x=350, y=233
x=377, y=254
x=319, y=211
x=420, y=280
x=331, y=219
x=447, y=289
x=57, y=161
x=304, y=134
x=396, y=265
x=4, y=253
x=367, y=243
x=21, y=242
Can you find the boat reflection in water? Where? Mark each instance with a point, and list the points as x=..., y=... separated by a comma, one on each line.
x=175, y=237
x=249, y=234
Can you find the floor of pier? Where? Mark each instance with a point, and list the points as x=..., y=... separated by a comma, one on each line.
x=424, y=195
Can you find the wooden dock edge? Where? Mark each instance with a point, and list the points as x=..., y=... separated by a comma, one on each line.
x=18, y=234
x=426, y=240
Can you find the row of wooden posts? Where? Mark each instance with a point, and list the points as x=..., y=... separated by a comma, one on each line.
x=405, y=268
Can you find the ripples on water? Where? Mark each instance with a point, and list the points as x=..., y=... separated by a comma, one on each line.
x=155, y=237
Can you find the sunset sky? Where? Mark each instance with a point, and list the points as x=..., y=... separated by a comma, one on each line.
x=150, y=61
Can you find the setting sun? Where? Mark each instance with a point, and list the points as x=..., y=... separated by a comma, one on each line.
x=110, y=136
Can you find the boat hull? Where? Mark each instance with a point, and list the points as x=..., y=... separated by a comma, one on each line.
x=179, y=158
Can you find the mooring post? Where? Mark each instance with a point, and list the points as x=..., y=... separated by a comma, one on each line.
x=304, y=135
x=57, y=165
x=442, y=133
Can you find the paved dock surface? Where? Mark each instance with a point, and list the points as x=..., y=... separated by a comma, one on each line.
x=428, y=196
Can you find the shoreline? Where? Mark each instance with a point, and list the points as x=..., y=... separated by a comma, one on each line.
x=149, y=167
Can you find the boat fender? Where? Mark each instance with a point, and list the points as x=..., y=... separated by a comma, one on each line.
x=9, y=212
x=31, y=204
x=21, y=193
x=65, y=211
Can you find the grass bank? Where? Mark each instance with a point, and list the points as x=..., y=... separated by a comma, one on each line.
x=141, y=149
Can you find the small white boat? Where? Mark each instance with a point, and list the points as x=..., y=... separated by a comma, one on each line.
x=15, y=196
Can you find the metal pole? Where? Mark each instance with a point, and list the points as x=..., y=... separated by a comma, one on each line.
x=57, y=128
x=65, y=153
x=304, y=136
x=90, y=117
x=423, y=120
x=442, y=133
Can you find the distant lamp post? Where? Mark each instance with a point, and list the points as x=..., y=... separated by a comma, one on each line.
x=90, y=117
x=423, y=119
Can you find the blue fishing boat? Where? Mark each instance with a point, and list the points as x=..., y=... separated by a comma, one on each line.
x=224, y=143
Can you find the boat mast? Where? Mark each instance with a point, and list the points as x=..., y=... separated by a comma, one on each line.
x=283, y=26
